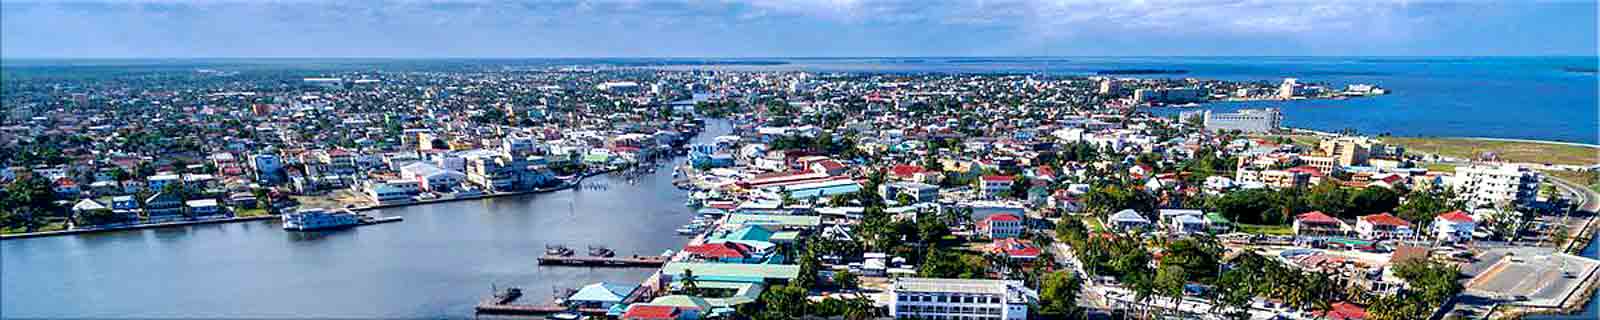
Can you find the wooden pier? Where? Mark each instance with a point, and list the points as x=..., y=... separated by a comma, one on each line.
x=574, y=260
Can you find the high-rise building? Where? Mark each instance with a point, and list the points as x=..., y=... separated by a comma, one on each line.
x=1289, y=88
x=1495, y=185
x=1247, y=120
x=1109, y=86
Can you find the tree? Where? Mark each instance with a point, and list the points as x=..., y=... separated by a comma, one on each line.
x=808, y=269
x=1058, y=294
x=691, y=285
x=1373, y=200
x=931, y=230
x=846, y=280
x=1421, y=206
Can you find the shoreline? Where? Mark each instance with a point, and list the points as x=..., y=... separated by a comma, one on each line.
x=41, y=234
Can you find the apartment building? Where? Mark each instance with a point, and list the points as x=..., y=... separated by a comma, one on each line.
x=952, y=299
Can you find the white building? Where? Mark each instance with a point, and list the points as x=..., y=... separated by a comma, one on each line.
x=619, y=87
x=1454, y=226
x=926, y=298
x=1247, y=120
x=1493, y=185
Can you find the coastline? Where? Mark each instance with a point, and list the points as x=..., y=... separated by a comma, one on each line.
x=27, y=235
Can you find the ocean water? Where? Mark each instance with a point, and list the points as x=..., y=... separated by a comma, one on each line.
x=1541, y=98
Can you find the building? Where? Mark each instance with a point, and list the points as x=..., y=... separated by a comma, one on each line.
x=1495, y=185
x=1109, y=86
x=268, y=168
x=1127, y=220
x=927, y=298
x=432, y=178
x=1290, y=88
x=1382, y=226
x=919, y=192
x=1247, y=120
x=994, y=185
x=1316, y=223
x=1454, y=226
x=1000, y=226
x=1169, y=95
x=619, y=87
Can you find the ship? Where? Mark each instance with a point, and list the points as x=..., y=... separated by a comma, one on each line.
x=319, y=219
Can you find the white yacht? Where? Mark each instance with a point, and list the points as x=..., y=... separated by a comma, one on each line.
x=318, y=219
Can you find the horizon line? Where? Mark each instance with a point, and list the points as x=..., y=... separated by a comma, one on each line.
x=799, y=57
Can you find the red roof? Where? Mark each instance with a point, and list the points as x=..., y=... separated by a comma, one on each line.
x=906, y=170
x=1315, y=217
x=1016, y=248
x=830, y=165
x=651, y=312
x=1310, y=170
x=1385, y=219
x=1003, y=217
x=997, y=178
x=1456, y=216
x=719, y=250
x=1344, y=311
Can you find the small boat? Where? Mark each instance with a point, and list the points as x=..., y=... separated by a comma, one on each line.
x=508, y=295
x=687, y=231
x=600, y=251
x=565, y=315
x=557, y=250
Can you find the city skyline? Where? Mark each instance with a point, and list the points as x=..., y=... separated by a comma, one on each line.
x=660, y=29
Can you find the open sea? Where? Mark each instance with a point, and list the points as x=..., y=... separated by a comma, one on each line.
x=1539, y=98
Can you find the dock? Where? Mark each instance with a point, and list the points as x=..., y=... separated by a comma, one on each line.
x=592, y=261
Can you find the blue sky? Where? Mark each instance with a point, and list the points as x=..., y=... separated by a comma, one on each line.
x=816, y=28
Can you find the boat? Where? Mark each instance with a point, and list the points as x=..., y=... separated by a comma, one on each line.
x=508, y=295
x=565, y=315
x=313, y=219
x=601, y=251
x=557, y=250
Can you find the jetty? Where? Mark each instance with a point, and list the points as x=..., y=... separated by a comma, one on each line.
x=594, y=261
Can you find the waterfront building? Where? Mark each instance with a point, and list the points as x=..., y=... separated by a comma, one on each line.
x=1247, y=120
x=1485, y=185
x=162, y=205
x=602, y=295
x=929, y=298
x=1169, y=95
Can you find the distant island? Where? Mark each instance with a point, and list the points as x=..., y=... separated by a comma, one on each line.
x=1140, y=71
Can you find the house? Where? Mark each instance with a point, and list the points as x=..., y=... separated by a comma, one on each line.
x=601, y=295
x=1185, y=221
x=1127, y=220
x=994, y=185
x=1015, y=249
x=914, y=173
x=1454, y=226
x=1342, y=311
x=1316, y=223
x=89, y=207
x=203, y=207
x=919, y=192
x=999, y=226
x=163, y=205
x=725, y=252
x=125, y=205
x=659, y=312
x=1065, y=201
x=1382, y=226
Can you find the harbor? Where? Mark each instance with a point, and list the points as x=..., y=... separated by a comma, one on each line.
x=429, y=249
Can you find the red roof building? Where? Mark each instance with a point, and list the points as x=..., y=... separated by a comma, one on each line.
x=1343, y=311
x=723, y=250
x=652, y=312
x=1382, y=226
x=1318, y=224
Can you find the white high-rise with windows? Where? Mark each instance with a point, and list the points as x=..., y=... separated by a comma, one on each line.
x=1494, y=185
x=959, y=299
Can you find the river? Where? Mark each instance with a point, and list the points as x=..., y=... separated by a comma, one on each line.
x=437, y=263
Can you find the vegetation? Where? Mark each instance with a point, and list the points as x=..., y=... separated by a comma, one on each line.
x=1514, y=151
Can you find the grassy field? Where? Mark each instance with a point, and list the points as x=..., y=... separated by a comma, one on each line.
x=50, y=226
x=1574, y=177
x=1282, y=230
x=250, y=212
x=1531, y=152
x=1440, y=167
